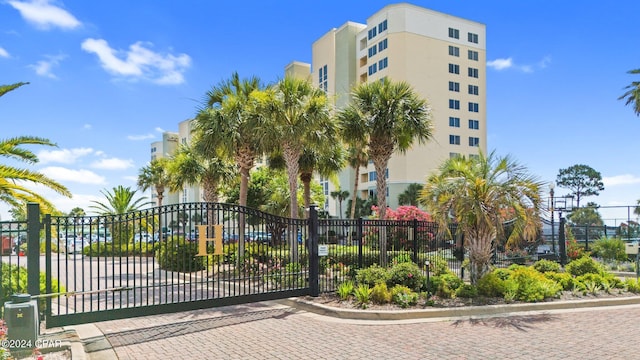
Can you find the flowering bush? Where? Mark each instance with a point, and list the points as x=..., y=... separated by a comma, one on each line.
x=398, y=237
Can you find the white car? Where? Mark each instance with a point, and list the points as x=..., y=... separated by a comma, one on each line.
x=145, y=238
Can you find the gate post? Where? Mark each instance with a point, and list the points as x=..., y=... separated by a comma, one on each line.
x=314, y=262
x=33, y=249
x=359, y=237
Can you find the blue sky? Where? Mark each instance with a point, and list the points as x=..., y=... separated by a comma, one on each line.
x=106, y=78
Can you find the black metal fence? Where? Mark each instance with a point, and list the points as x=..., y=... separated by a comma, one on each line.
x=356, y=244
x=13, y=274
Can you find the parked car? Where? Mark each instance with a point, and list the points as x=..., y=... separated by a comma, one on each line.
x=145, y=238
x=258, y=236
x=73, y=245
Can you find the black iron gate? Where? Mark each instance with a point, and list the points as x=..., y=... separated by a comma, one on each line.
x=172, y=258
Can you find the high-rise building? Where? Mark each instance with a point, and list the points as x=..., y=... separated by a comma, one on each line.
x=442, y=56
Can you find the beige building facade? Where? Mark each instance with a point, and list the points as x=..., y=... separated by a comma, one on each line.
x=442, y=56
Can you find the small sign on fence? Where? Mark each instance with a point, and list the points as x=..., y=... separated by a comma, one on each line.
x=631, y=249
x=323, y=250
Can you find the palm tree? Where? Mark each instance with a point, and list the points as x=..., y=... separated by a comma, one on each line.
x=340, y=196
x=388, y=117
x=119, y=201
x=633, y=93
x=474, y=192
x=12, y=190
x=12, y=179
x=155, y=175
x=357, y=157
x=410, y=195
x=188, y=166
x=228, y=123
x=295, y=114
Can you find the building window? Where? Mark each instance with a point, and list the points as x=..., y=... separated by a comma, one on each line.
x=454, y=50
x=454, y=33
x=474, y=124
x=454, y=86
x=474, y=156
x=184, y=195
x=373, y=50
x=473, y=55
x=373, y=68
x=453, y=155
x=322, y=78
x=473, y=38
x=473, y=72
x=382, y=45
x=454, y=69
x=382, y=26
x=473, y=107
x=454, y=139
x=474, y=141
x=372, y=33
x=454, y=121
x=454, y=104
x=473, y=89
x=382, y=64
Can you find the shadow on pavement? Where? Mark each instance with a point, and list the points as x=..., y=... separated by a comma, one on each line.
x=522, y=322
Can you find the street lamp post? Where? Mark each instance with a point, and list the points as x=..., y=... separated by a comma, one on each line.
x=564, y=203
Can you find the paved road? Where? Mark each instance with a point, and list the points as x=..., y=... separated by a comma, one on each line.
x=272, y=331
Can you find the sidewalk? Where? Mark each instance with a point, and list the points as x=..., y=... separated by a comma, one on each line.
x=89, y=342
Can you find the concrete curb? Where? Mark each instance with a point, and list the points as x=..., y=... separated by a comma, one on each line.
x=354, y=314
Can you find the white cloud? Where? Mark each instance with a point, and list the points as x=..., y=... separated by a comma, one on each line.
x=500, y=64
x=44, y=15
x=113, y=164
x=626, y=179
x=3, y=53
x=65, y=156
x=61, y=175
x=508, y=63
x=44, y=67
x=141, y=137
x=139, y=62
x=87, y=126
x=159, y=129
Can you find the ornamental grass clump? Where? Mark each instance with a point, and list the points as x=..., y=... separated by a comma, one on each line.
x=345, y=290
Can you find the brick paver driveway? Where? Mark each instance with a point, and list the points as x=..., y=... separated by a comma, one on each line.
x=271, y=331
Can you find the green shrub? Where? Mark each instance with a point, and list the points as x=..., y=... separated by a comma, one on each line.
x=491, y=285
x=438, y=266
x=403, y=257
x=445, y=285
x=403, y=296
x=14, y=281
x=345, y=290
x=181, y=257
x=544, y=266
x=362, y=294
x=584, y=265
x=565, y=280
x=596, y=279
x=531, y=285
x=467, y=291
x=610, y=249
x=503, y=274
x=372, y=275
x=407, y=274
x=632, y=285
x=380, y=294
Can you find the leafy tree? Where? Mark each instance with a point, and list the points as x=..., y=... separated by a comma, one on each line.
x=12, y=179
x=472, y=191
x=340, y=196
x=388, y=117
x=632, y=95
x=410, y=195
x=582, y=180
x=587, y=215
x=362, y=208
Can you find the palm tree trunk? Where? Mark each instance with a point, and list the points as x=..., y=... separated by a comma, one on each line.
x=480, y=249
x=355, y=192
x=305, y=177
x=291, y=155
x=160, y=191
x=244, y=159
x=380, y=163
